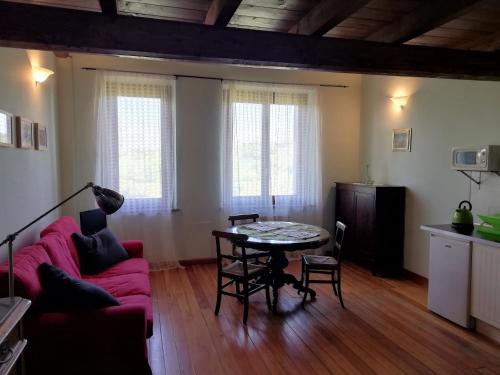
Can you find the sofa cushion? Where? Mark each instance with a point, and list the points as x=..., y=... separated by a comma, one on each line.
x=26, y=281
x=144, y=301
x=128, y=266
x=98, y=251
x=123, y=285
x=64, y=293
x=65, y=225
x=56, y=247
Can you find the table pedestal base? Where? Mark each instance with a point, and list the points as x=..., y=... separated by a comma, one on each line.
x=277, y=263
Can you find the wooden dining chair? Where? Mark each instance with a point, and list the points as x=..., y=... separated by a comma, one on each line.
x=251, y=253
x=252, y=277
x=329, y=265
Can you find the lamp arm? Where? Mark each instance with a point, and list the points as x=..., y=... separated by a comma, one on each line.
x=12, y=237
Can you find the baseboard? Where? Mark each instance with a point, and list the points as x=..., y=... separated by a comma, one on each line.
x=421, y=280
x=488, y=330
x=193, y=262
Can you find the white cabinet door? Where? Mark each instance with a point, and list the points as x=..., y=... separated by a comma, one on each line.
x=449, y=278
x=485, y=296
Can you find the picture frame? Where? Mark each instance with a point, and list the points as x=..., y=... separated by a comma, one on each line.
x=7, y=138
x=24, y=131
x=401, y=140
x=40, y=133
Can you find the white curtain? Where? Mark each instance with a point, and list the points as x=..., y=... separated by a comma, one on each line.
x=271, y=151
x=136, y=155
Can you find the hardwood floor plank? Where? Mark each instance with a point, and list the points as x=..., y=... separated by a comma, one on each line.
x=426, y=326
x=236, y=355
x=385, y=329
x=204, y=358
x=155, y=344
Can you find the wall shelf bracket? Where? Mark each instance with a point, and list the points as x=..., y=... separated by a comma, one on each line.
x=478, y=182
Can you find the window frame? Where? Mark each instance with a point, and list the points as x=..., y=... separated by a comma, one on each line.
x=113, y=88
x=265, y=198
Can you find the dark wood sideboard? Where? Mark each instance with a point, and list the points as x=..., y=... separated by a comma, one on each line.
x=375, y=219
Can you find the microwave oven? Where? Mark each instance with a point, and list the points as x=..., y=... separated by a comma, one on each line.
x=481, y=158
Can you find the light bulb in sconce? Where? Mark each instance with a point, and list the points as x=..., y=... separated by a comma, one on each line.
x=41, y=74
x=400, y=101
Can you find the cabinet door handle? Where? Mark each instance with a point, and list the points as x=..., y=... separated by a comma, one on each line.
x=448, y=246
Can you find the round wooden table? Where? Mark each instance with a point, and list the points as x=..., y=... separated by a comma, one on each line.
x=277, y=244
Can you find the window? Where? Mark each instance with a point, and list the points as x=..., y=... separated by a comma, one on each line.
x=270, y=147
x=136, y=140
x=139, y=175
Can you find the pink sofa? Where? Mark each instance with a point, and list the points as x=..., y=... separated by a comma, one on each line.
x=105, y=341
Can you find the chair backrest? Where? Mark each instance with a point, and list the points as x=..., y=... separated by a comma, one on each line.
x=340, y=229
x=237, y=240
x=235, y=218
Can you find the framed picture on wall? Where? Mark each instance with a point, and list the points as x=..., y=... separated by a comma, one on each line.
x=401, y=139
x=40, y=132
x=6, y=129
x=24, y=130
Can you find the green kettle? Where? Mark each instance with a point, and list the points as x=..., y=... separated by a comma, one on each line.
x=463, y=220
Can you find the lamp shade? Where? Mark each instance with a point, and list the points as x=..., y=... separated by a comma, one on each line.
x=109, y=201
x=41, y=74
x=400, y=101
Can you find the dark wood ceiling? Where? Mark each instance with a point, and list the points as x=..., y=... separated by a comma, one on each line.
x=467, y=25
x=432, y=38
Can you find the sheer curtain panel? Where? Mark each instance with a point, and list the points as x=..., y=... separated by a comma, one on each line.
x=136, y=140
x=136, y=156
x=270, y=151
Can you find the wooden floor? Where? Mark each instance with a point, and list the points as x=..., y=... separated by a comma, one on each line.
x=385, y=329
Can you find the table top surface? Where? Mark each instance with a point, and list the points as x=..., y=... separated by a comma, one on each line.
x=272, y=239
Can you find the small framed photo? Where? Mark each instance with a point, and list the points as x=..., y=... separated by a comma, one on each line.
x=24, y=129
x=401, y=139
x=40, y=132
x=6, y=129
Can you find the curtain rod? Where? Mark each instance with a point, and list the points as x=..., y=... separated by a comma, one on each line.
x=218, y=78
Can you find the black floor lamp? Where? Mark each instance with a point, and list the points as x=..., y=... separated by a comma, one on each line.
x=109, y=202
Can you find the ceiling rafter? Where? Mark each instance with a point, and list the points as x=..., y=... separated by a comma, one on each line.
x=221, y=12
x=425, y=18
x=39, y=27
x=488, y=42
x=325, y=16
x=108, y=7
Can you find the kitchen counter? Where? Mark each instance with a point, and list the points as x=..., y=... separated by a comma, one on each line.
x=447, y=230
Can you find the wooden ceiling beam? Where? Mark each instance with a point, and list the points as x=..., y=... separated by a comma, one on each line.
x=38, y=27
x=108, y=7
x=221, y=12
x=428, y=16
x=61, y=54
x=325, y=16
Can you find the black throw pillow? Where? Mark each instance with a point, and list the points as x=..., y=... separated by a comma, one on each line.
x=64, y=293
x=98, y=251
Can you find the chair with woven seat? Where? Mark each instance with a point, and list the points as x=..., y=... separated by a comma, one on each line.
x=329, y=265
x=251, y=253
x=252, y=277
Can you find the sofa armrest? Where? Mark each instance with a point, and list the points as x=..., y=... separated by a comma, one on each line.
x=134, y=248
x=115, y=323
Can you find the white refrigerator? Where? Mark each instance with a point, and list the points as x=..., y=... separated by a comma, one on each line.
x=449, y=279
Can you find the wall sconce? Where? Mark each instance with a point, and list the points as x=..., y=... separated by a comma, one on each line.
x=400, y=101
x=41, y=74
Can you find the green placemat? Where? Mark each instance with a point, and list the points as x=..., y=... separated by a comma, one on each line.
x=271, y=235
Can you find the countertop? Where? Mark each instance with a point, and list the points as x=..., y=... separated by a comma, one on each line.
x=447, y=230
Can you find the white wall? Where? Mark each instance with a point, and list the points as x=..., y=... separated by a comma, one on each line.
x=29, y=182
x=198, y=118
x=442, y=114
